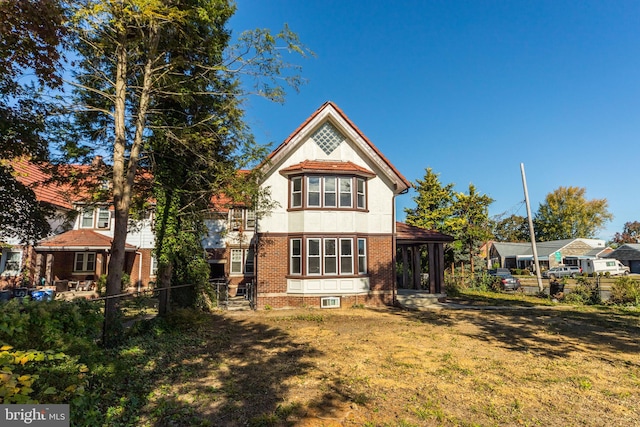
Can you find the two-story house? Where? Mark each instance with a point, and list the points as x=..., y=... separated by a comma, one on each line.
x=330, y=238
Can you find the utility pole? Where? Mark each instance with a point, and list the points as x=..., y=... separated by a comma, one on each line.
x=531, y=231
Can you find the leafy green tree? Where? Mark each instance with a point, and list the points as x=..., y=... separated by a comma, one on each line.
x=630, y=233
x=31, y=33
x=129, y=65
x=567, y=214
x=513, y=228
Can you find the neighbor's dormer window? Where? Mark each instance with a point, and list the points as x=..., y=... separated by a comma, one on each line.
x=86, y=219
x=104, y=216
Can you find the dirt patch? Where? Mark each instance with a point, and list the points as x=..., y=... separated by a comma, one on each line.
x=363, y=367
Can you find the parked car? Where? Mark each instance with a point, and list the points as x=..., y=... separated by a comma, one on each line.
x=507, y=281
x=562, y=271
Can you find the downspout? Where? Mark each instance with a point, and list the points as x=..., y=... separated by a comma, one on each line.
x=139, y=269
x=393, y=245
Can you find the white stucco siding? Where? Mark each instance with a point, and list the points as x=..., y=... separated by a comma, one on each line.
x=215, y=231
x=377, y=219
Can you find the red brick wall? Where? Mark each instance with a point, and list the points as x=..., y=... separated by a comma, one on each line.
x=273, y=264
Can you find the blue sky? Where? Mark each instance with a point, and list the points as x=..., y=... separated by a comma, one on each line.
x=474, y=88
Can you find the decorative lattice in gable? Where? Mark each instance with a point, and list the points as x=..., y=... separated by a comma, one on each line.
x=328, y=137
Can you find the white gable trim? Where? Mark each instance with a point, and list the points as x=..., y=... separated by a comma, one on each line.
x=329, y=113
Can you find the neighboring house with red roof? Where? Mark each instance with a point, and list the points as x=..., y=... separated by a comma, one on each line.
x=329, y=238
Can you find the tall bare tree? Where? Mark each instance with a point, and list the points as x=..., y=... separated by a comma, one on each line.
x=128, y=69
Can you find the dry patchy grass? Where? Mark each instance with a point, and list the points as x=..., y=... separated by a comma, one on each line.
x=534, y=366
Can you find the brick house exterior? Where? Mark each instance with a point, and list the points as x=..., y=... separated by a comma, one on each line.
x=331, y=236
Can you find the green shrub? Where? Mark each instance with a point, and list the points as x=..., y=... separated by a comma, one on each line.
x=68, y=326
x=584, y=292
x=101, y=284
x=34, y=376
x=625, y=290
x=125, y=282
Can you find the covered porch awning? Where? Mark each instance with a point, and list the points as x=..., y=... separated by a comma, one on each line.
x=409, y=240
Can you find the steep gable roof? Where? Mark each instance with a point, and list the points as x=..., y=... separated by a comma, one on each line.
x=330, y=111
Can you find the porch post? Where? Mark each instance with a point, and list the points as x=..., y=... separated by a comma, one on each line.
x=416, y=267
x=434, y=268
x=48, y=275
x=405, y=267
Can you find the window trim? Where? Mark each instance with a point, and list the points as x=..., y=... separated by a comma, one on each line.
x=304, y=257
x=5, y=258
x=301, y=199
x=244, y=263
x=83, y=216
x=85, y=262
x=297, y=256
x=99, y=211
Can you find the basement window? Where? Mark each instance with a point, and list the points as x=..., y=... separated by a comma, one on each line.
x=330, y=302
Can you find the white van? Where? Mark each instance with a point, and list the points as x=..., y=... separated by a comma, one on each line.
x=604, y=265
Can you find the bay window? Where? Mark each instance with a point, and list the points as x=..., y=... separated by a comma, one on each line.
x=330, y=192
x=327, y=256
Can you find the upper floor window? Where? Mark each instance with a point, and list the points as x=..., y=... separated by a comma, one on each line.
x=86, y=219
x=329, y=192
x=95, y=217
x=104, y=216
x=242, y=219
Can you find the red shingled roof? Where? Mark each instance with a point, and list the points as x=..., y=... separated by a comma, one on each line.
x=327, y=166
x=34, y=177
x=78, y=240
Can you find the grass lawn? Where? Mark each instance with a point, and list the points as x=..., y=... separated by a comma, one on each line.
x=517, y=365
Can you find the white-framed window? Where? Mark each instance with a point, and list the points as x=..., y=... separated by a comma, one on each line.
x=346, y=256
x=313, y=191
x=235, y=217
x=250, y=223
x=362, y=256
x=295, y=254
x=328, y=256
x=345, y=192
x=84, y=262
x=154, y=266
x=10, y=262
x=314, y=257
x=296, y=192
x=244, y=219
x=86, y=218
x=242, y=261
x=361, y=200
x=104, y=217
x=337, y=192
x=236, y=261
x=330, y=191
